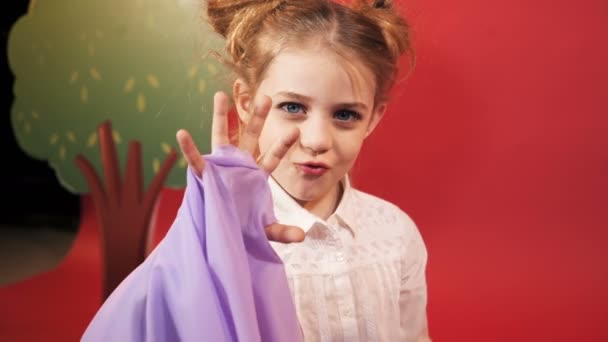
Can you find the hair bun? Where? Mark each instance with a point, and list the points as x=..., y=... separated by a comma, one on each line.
x=395, y=28
x=238, y=21
x=223, y=15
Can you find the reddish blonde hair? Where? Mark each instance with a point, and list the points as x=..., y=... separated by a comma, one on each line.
x=258, y=30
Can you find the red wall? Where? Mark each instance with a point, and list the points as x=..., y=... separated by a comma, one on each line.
x=500, y=154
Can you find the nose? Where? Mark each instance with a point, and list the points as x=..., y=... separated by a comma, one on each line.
x=316, y=134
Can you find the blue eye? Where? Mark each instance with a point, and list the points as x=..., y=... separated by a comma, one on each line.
x=291, y=107
x=347, y=115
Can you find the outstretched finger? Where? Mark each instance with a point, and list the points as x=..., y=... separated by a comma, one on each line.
x=190, y=152
x=219, y=126
x=249, y=140
x=271, y=159
x=284, y=234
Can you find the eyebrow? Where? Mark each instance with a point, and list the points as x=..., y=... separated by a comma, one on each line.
x=304, y=98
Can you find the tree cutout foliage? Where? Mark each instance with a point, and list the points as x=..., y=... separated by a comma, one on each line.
x=143, y=65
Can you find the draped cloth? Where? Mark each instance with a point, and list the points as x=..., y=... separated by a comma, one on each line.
x=214, y=277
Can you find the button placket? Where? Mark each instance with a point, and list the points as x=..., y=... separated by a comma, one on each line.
x=340, y=255
x=345, y=307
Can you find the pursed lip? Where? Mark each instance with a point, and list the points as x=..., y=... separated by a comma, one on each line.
x=314, y=164
x=315, y=169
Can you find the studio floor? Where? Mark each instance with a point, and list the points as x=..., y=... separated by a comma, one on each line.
x=25, y=252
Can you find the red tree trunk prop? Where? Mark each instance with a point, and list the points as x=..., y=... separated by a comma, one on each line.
x=123, y=208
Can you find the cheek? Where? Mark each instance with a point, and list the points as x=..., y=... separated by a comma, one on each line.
x=349, y=146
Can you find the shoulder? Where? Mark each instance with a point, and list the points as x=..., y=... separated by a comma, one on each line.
x=384, y=213
x=383, y=220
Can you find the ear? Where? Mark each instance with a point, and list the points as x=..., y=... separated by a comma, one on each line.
x=242, y=99
x=377, y=115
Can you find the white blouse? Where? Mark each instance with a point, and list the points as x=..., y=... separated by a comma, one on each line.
x=360, y=274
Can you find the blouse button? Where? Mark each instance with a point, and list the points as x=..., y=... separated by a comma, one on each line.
x=340, y=257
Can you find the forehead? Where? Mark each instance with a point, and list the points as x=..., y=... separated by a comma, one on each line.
x=320, y=74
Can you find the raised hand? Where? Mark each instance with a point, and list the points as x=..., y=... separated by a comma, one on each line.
x=248, y=142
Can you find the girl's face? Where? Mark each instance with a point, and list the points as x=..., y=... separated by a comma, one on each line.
x=333, y=109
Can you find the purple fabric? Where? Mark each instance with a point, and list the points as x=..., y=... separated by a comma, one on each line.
x=214, y=277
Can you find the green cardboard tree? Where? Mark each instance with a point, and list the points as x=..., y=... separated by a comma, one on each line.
x=104, y=83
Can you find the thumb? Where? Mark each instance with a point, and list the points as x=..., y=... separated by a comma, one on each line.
x=285, y=234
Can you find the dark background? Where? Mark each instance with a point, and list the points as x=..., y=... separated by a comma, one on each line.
x=32, y=195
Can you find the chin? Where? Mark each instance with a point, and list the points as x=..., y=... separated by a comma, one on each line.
x=305, y=189
x=309, y=192
x=304, y=195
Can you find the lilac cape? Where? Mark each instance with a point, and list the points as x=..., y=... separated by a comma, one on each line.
x=214, y=277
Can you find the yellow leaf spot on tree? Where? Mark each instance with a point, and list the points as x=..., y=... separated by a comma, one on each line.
x=27, y=127
x=35, y=115
x=153, y=81
x=62, y=152
x=129, y=85
x=193, y=71
x=117, y=137
x=166, y=148
x=92, y=140
x=54, y=139
x=20, y=116
x=141, y=103
x=183, y=163
x=41, y=59
x=71, y=136
x=202, y=86
x=91, y=49
x=83, y=36
x=99, y=33
x=95, y=74
x=212, y=69
x=84, y=94
x=156, y=165
x=74, y=77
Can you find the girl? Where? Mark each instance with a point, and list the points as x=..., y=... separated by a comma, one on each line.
x=312, y=79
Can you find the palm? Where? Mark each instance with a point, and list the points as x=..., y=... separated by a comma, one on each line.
x=248, y=143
